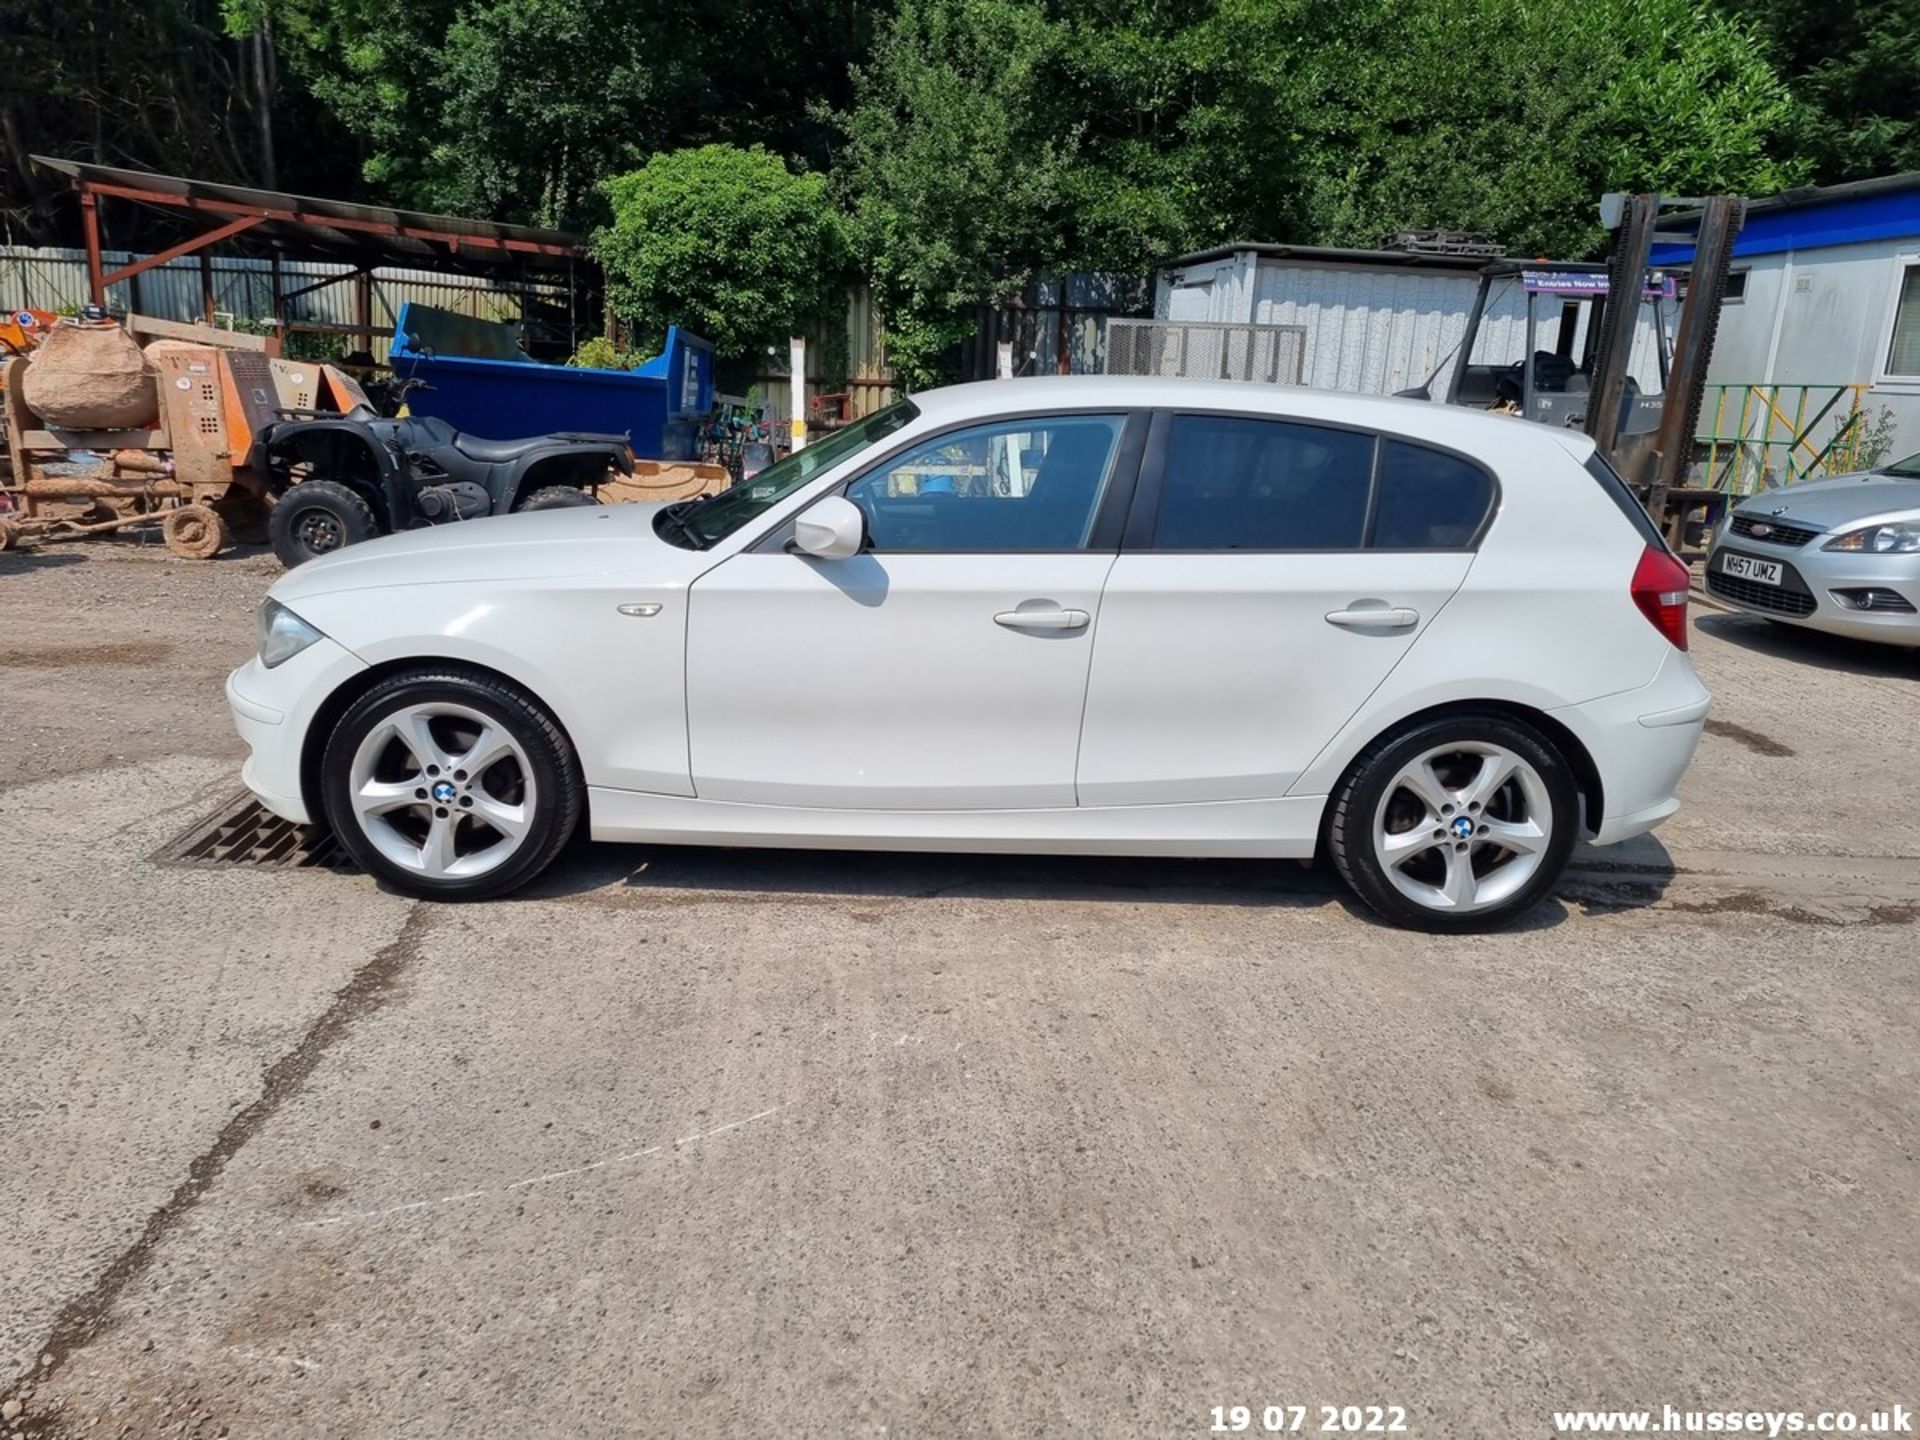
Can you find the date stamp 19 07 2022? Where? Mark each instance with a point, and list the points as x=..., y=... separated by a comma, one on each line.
x=1309, y=1419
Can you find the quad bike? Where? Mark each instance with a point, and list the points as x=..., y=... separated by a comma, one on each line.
x=340, y=479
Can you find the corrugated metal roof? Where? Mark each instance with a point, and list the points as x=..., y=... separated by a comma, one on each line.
x=1330, y=254
x=369, y=233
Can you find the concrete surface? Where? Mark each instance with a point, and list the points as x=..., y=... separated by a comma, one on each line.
x=699, y=1143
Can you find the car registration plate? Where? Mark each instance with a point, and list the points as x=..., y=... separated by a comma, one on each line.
x=1745, y=567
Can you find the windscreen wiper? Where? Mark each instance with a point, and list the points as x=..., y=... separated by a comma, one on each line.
x=674, y=518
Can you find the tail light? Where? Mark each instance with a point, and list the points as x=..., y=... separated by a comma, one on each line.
x=1659, y=588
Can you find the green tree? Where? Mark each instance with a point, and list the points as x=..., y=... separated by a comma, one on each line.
x=1512, y=118
x=993, y=138
x=514, y=109
x=955, y=163
x=729, y=243
x=1856, y=66
x=158, y=86
x=517, y=109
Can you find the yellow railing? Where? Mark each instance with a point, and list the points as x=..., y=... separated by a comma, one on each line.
x=1779, y=433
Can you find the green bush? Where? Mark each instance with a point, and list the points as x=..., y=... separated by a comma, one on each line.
x=727, y=243
x=600, y=353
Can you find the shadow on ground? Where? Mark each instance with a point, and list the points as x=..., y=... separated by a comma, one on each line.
x=1625, y=877
x=1813, y=647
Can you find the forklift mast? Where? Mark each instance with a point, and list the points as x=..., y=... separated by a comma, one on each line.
x=1659, y=472
x=1647, y=438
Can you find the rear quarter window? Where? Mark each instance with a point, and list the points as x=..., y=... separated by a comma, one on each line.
x=1428, y=499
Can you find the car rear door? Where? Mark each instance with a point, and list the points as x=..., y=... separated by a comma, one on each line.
x=1272, y=574
x=945, y=666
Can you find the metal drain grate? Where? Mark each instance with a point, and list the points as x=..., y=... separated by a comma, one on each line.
x=243, y=832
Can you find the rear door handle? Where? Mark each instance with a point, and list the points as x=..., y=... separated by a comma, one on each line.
x=1043, y=619
x=1375, y=618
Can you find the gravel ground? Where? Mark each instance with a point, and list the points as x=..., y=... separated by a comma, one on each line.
x=712, y=1143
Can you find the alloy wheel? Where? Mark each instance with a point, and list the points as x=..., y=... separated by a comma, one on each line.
x=442, y=790
x=1463, y=826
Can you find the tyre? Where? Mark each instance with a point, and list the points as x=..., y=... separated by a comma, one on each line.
x=1461, y=823
x=553, y=497
x=193, y=532
x=317, y=517
x=450, y=784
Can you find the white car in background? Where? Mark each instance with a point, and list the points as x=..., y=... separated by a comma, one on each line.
x=1087, y=616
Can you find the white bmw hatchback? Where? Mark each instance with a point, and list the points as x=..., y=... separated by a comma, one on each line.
x=1089, y=616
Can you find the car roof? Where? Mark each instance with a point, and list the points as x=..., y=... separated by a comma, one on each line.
x=1459, y=427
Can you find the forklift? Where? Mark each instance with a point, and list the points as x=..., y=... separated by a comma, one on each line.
x=1647, y=438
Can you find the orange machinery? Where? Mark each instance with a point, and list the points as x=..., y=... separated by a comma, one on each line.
x=189, y=472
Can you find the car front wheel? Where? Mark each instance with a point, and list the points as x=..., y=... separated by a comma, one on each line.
x=1462, y=823
x=450, y=784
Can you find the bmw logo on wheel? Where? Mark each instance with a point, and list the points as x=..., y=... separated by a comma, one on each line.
x=1462, y=826
x=444, y=791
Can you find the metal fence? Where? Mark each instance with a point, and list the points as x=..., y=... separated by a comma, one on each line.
x=847, y=372
x=50, y=278
x=1207, y=349
x=1754, y=436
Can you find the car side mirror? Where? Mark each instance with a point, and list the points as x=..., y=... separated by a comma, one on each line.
x=831, y=529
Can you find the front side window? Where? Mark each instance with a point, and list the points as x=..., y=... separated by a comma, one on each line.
x=696, y=524
x=1237, y=484
x=1026, y=484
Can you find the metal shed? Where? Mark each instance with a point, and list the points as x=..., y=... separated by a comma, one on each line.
x=1373, y=321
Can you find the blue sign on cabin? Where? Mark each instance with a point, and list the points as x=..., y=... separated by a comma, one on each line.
x=479, y=380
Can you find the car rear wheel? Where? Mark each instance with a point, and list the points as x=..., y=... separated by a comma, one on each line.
x=317, y=517
x=1462, y=823
x=450, y=784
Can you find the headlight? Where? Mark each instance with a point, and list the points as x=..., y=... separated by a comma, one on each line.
x=1900, y=538
x=283, y=634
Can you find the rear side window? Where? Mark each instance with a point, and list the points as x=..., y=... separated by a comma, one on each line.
x=1618, y=492
x=1239, y=484
x=1429, y=500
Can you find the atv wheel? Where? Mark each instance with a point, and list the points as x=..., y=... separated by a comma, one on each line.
x=317, y=517
x=194, y=532
x=554, y=497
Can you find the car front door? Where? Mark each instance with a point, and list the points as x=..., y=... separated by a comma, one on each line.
x=1272, y=574
x=945, y=665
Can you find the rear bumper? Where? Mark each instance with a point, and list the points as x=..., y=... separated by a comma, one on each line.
x=1641, y=742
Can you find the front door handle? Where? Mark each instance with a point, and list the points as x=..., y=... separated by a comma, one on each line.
x=1055, y=619
x=1375, y=618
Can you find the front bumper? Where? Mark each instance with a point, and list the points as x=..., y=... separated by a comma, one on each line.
x=1816, y=586
x=274, y=709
